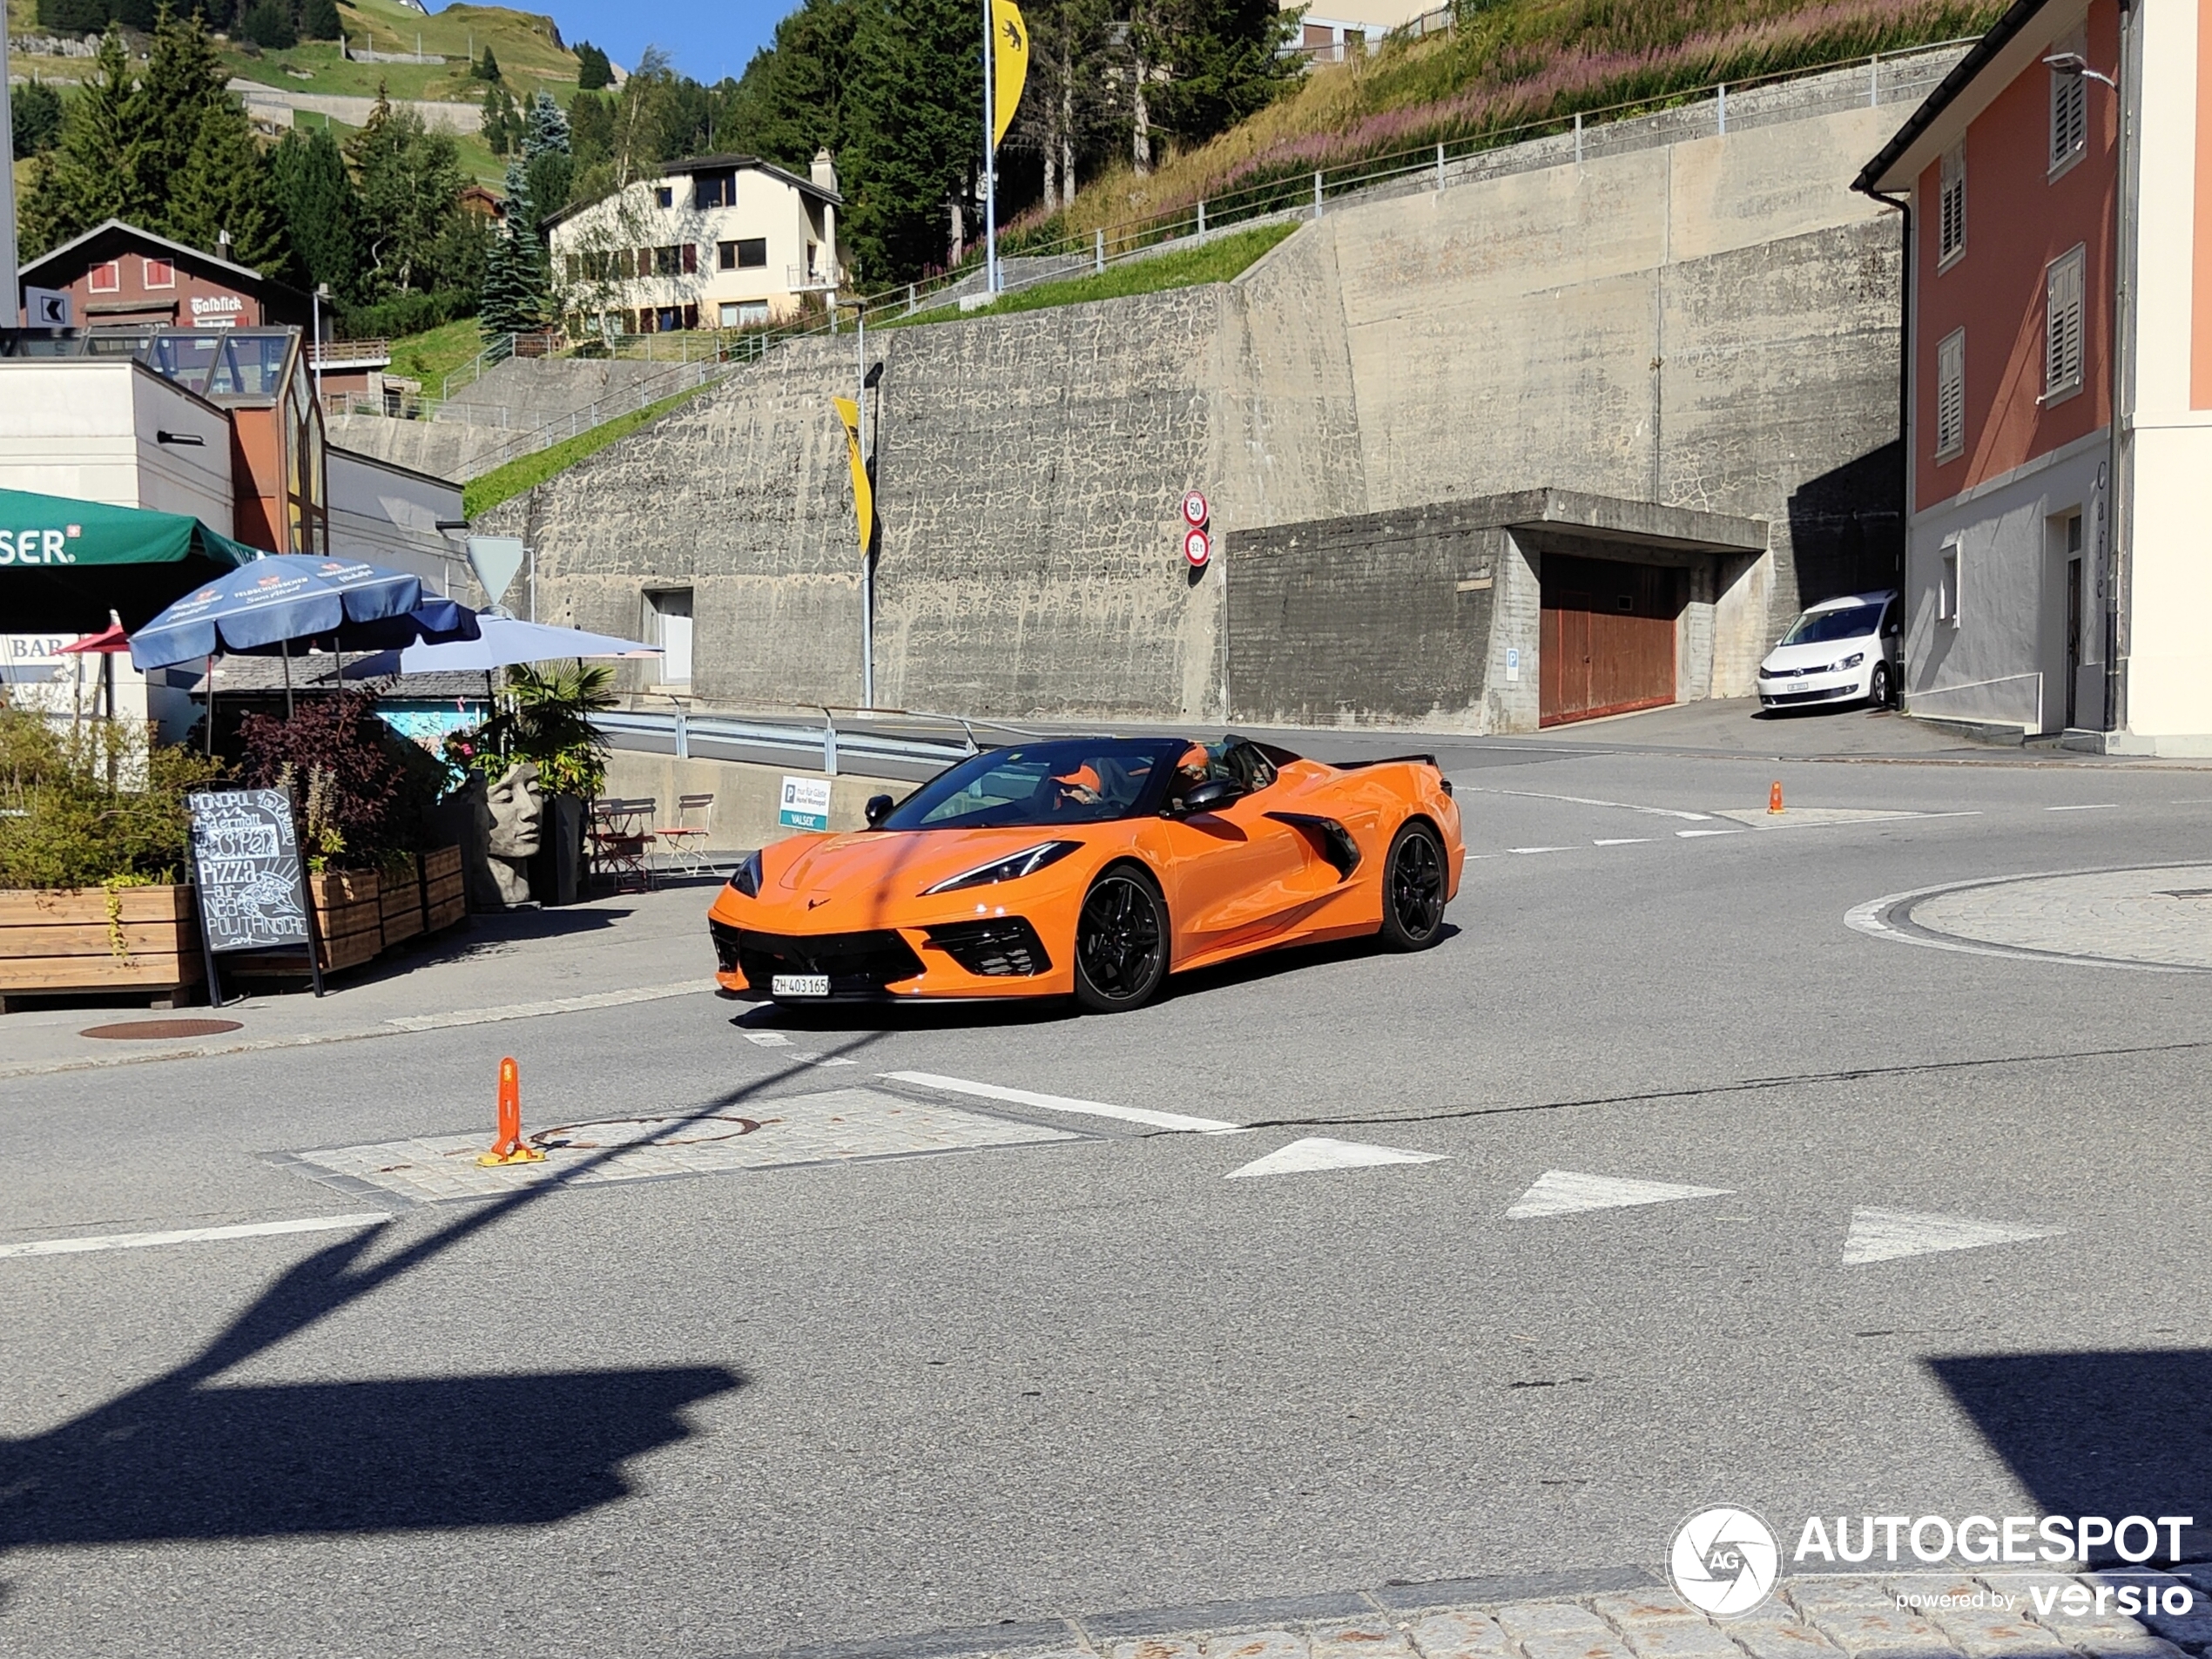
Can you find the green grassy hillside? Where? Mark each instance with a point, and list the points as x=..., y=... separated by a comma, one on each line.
x=528, y=46
x=1511, y=69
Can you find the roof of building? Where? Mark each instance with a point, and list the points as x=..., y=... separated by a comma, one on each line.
x=85, y=249
x=1876, y=174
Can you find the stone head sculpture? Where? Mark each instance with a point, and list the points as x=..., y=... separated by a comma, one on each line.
x=516, y=808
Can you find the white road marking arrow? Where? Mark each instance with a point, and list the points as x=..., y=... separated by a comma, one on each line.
x=1561, y=1192
x=1319, y=1152
x=1884, y=1235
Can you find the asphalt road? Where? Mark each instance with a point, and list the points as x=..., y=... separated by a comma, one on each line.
x=846, y=1399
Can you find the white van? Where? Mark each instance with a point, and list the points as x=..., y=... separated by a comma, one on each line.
x=1842, y=651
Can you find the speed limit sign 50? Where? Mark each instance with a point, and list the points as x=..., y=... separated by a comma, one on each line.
x=1195, y=511
x=1197, y=547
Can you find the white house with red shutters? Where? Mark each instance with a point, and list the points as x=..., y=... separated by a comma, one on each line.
x=2057, y=569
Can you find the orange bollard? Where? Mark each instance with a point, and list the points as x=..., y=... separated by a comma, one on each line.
x=1774, y=797
x=510, y=1147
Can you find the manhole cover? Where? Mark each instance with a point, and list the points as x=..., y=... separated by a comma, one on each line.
x=161, y=1030
x=620, y=1131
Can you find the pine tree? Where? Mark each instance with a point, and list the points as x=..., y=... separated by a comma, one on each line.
x=914, y=110
x=516, y=297
x=592, y=69
x=34, y=125
x=486, y=67
x=182, y=90
x=223, y=190
x=318, y=20
x=92, y=175
x=502, y=123
x=548, y=159
x=1204, y=66
x=322, y=210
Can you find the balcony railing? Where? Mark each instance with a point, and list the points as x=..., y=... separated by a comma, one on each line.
x=323, y=354
x=801, y=279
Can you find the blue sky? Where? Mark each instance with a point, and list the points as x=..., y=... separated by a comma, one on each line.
x=706, y=40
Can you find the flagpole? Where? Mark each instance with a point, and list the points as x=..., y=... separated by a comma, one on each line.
x=990, y=166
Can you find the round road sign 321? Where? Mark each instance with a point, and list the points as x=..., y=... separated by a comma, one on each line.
x=1194, y=510
x=1198, y=548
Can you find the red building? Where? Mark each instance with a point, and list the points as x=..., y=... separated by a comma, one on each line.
x=117, y=276
x=2054, y=576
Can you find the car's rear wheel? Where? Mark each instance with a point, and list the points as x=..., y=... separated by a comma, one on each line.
x=1120, y=943
x=1878, y=686
x=1414, y=889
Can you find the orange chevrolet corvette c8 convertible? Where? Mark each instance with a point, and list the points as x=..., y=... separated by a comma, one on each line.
x=1092, y=867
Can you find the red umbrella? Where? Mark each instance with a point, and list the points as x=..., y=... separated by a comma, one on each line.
x=109, y=642
x=106, y=643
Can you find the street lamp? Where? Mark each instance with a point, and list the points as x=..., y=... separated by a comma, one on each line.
x=2075, y=64
x=321, y=294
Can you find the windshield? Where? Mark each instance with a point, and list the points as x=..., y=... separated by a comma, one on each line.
x=1818, y=627
x=1075, y=780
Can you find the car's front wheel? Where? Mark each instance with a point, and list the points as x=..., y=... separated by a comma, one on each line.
x=1878, y=686
x=1120, y=943
x=1414, y=889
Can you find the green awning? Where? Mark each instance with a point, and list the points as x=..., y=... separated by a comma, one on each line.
x=52, y=532
x=65, y=563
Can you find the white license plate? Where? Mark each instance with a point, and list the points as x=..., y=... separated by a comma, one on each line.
x=800, y=985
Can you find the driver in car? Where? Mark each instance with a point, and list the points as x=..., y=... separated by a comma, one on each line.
x=1082, y=787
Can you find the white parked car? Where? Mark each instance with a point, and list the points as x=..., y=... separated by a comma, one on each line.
x=1842, y=651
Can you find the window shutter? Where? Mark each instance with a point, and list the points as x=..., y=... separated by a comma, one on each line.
x=2062, y=326
x=1952, y=207
x=1951, y=395
x=2069, y=117
x=690, y=259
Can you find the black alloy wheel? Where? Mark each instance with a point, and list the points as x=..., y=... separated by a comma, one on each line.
x=1878, y=686
x=1414, y=889
x=1120, y=943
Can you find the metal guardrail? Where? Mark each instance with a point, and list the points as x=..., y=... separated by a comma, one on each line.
x=824, y=742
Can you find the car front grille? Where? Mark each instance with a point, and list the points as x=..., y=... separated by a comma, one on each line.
x=1000, y=948
x=856, y=964
x=1813, y=697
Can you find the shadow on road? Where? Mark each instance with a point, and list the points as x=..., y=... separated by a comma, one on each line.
x=2110, y=1433
x=182, y=1456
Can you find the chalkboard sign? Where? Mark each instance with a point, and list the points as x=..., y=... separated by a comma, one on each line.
x=246, y=862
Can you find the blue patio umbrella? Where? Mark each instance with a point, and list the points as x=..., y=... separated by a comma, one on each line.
x=268, y=606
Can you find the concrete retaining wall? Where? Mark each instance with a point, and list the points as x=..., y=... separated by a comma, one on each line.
x=1710, y=324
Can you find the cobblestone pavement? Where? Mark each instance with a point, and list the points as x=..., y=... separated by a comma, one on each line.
x=1631, y=1615
x=836, y=1126
x=2146, y=918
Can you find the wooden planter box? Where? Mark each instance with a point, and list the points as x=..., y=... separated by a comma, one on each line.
x=400, y=895
x=349, y=914
x=59, y=940
x=442, y=885
x=349, y=910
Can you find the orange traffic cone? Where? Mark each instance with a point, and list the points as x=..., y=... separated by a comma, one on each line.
x=1774, y=797
x=510, y=1148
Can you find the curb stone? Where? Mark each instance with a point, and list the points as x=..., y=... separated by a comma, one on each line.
x=1620, y=1613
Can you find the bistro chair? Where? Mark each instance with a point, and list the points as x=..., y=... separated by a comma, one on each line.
x=687, y=841
x=622, y=842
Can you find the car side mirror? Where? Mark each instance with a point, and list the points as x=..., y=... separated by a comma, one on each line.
x=878, y=809
x=1211, y=795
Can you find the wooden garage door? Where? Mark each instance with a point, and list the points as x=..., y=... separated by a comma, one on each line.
x=1608, y=639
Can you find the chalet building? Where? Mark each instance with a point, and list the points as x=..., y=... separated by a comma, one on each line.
x=723, y=241
x=119, y=276
x=2055, y=577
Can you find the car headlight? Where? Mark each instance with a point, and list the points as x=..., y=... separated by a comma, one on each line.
x=1012, y=868
x=746, y=878
x=1852, y=661
x=1766, y=673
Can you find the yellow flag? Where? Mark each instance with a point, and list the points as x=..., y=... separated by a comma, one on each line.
x=848, y=415
x=1010, y=65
